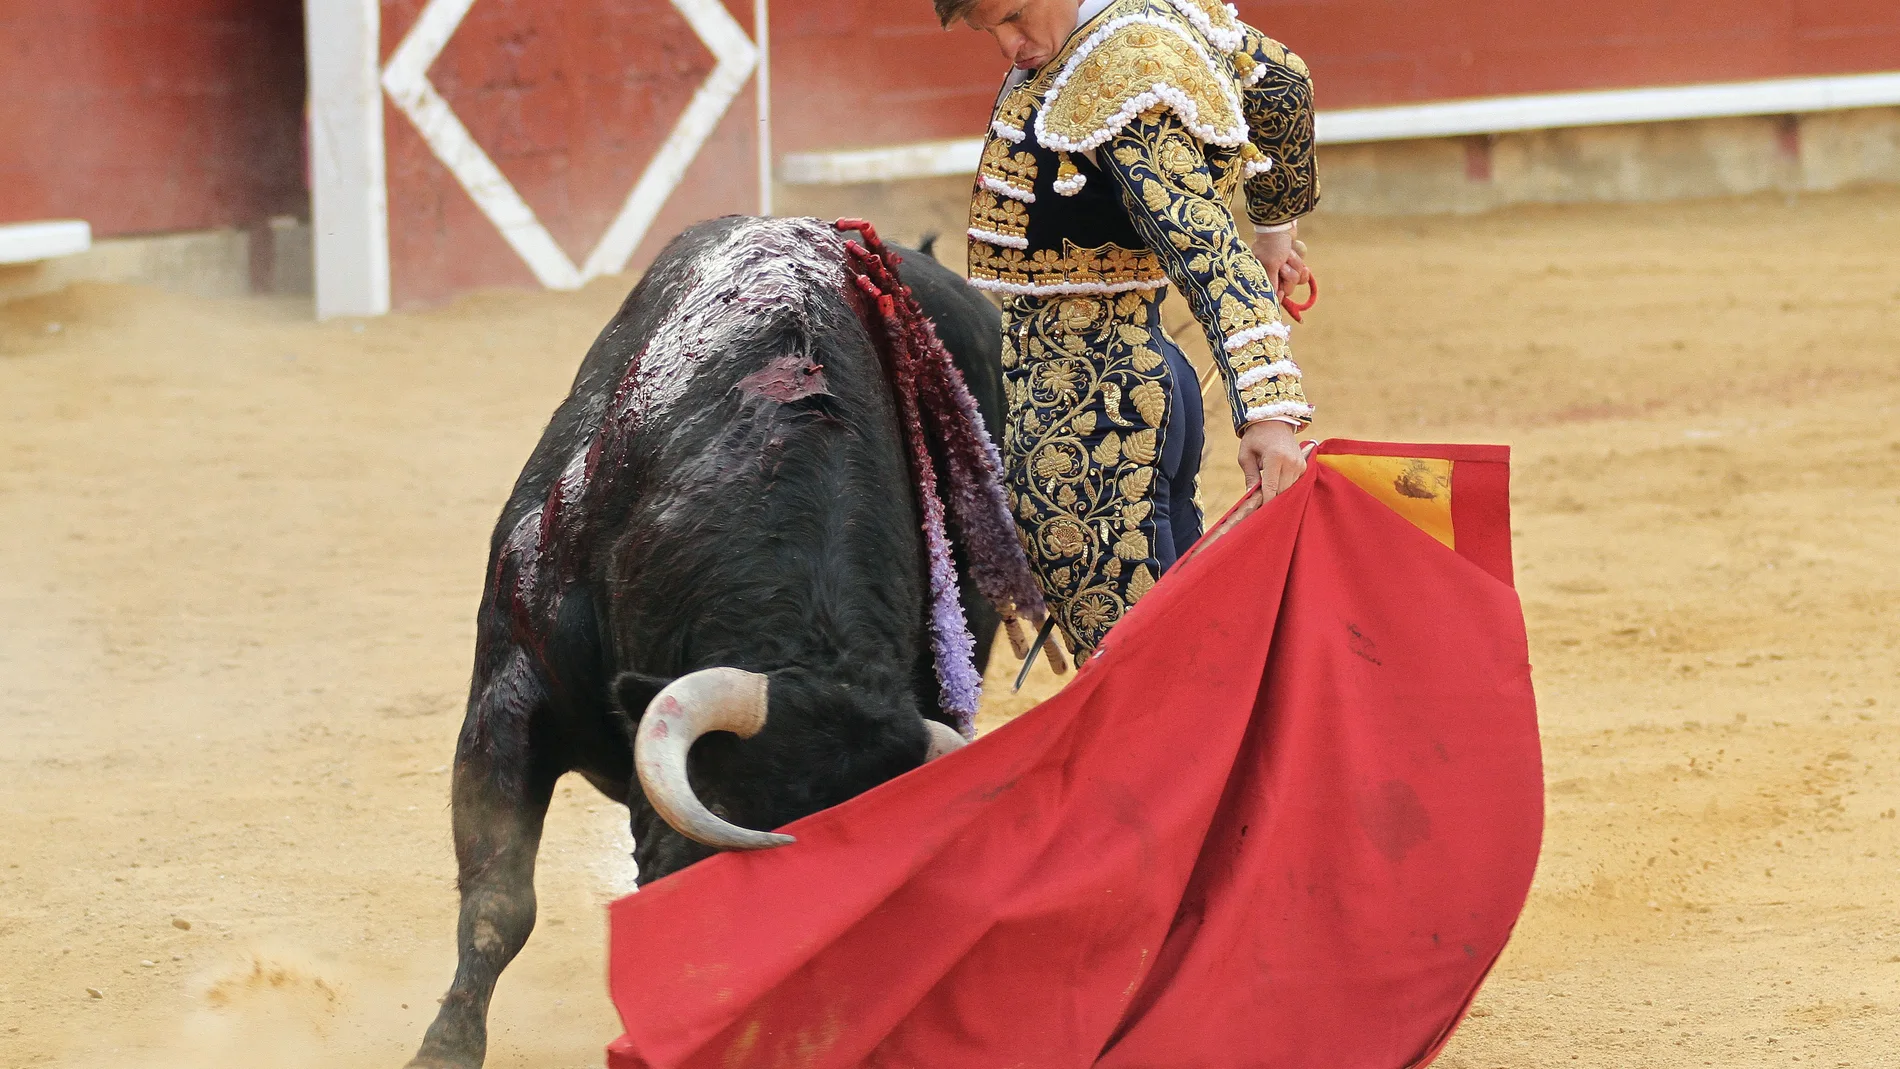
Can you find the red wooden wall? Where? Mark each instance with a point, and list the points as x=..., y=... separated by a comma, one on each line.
x=1368, y=52
x=151, y=115
x=571, y=97
x=856, y=73
x=879, y=72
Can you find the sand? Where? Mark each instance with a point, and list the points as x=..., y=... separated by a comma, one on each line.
x=240, y=554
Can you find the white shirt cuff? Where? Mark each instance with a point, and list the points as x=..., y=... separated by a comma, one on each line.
x=1292, y=421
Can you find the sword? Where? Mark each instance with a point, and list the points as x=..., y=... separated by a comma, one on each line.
x=1048, y=625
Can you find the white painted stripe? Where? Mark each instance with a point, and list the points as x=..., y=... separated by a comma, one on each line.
x=1495, y=115
x=25, y=243
x=1549, y=111
x=737, y=57
x=406, y=80
x=923, y=159
x=349, y=194
x=762, y=39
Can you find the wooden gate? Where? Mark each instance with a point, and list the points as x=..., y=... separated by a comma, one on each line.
x=515, y=142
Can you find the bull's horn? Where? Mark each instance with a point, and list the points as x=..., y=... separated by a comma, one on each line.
x=943, y=739
x=712, y=699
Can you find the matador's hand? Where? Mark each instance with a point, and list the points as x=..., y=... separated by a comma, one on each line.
x=1270, y=456
x=1284, y=263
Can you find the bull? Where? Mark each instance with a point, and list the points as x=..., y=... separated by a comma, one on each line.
x=716, y=540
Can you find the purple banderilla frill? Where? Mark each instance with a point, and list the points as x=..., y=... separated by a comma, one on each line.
x=933, y=399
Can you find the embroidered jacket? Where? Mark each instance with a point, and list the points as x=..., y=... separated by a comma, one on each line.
x=1108, y=175
x=1111, y=170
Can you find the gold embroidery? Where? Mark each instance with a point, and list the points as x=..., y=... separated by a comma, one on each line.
x=1000, y=161
x=1131, y=546
x=1064, y=537
x=1005, y=167
x=1079, y=314
x=1096, y=610
x=1177, y=157
x=1080, y=444
x=1140, y=447
x=1150, y=400
x=1273, y=391
x=1083, y=366
x=1098, y=268
x=1016, y=109
x=1222, y=280
x=1002, y=164
x=999, y=214
x=1154, y=195
x=1059, y=460
x=1140, y=583
x=1137, y=482
x=1279, y=109
x=1091, y=99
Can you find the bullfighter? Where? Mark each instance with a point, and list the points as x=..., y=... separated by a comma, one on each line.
x=1119, y=140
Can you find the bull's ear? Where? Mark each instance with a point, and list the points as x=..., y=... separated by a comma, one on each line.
x=633, y=691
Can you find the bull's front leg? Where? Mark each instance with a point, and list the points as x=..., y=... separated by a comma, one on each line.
x=501, y=793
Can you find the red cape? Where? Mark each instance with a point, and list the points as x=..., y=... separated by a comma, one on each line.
x=1287, y=817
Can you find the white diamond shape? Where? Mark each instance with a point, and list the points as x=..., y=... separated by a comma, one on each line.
x=406, y=80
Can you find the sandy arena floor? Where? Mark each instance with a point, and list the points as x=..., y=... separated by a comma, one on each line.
x=241, y=554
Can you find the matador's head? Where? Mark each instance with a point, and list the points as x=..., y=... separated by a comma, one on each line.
x=1030, y=32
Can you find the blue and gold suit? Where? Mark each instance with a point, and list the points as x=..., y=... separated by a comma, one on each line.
x=1107, y=176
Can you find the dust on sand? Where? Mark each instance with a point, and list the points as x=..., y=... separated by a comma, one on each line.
x=242, y=553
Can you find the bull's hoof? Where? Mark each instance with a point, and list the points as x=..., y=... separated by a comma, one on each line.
x=448, y=1056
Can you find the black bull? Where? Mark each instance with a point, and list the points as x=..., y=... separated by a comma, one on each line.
x=724, y=486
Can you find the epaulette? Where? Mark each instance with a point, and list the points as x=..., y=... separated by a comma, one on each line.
x=1219, y=23
x=1136, y=62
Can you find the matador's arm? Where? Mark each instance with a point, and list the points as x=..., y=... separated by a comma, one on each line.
x=1169, y=189
x=1277, y=98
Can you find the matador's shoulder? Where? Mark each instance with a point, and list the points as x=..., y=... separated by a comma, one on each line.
x=1142, y=55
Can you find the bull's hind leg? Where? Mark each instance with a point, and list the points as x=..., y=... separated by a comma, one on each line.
x=501, y=793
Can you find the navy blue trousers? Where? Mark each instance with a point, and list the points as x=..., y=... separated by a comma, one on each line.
x=1177, y=514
